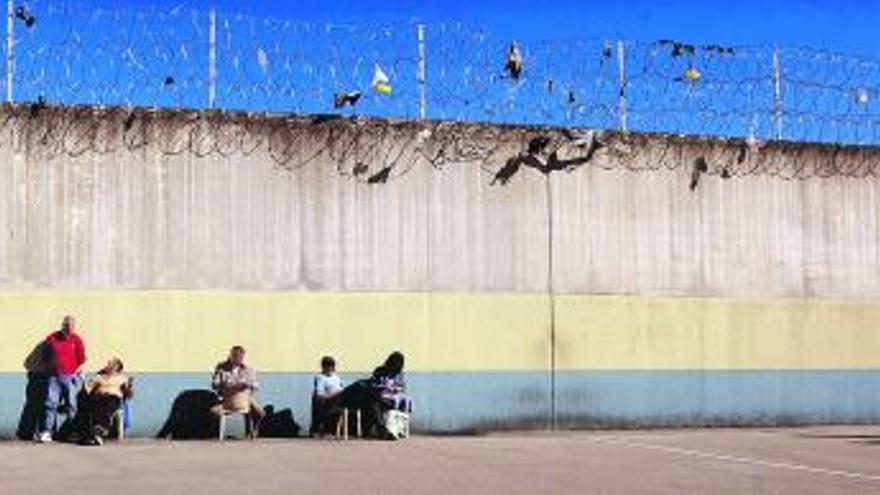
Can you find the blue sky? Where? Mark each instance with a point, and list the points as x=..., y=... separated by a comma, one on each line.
x=111, y=60
x=843, y=25
x=846, y=25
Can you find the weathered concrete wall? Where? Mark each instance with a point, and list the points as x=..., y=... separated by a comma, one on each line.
x=565, y=273
x=178, y=201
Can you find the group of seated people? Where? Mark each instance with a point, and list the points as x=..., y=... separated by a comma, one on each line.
x=235, y=383
x=374, y=396
x=56, y=387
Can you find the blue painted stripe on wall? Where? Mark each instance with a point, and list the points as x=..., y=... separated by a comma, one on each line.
x=443, y=401
x=499, y=400
x=710, y=397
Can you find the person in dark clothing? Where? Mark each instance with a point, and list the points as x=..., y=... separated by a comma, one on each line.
x=40, y=367
x=383, y=391
x=104, y=395
x=390, y=384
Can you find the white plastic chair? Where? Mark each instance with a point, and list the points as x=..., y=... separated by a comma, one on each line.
x=342, y=424
x=250, y=426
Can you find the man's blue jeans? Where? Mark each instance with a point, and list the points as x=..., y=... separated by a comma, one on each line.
x=62, y=390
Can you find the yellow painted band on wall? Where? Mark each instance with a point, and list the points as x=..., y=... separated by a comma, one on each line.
x=284, y=331
x=631, y=332
x=182, y=331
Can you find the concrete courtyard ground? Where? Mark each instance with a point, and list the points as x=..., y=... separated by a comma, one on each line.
x=824, y=460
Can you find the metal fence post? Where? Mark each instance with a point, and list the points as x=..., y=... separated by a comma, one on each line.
x=421, y=76
x=777, y=94
x=621, y=67
x=10, y=49
x=212, y=57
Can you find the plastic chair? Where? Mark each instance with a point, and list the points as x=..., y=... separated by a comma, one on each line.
x=122, y=416
x=250, y=425
x=119, y=422
x=342, y=424
x=121, y=419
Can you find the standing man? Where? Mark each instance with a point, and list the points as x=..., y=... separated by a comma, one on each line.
x=68, y=354
x=236, y=383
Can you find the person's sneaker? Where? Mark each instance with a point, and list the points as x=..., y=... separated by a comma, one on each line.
x=91, y=441
x=44, y=437
x=100, y=431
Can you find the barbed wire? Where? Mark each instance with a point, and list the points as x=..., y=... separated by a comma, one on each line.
x=72, y=53
x=376, y=151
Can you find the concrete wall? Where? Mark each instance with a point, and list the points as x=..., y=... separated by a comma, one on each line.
x=608, y=293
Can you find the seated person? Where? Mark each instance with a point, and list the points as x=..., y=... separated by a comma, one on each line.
x=104, y=394
x=326, y=389
x=383, y=391
x=390, y=384
x=235, y=384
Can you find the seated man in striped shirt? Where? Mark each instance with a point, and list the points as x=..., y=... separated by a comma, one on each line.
x=236, y=384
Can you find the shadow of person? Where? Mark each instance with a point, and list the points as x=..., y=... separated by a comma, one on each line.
x=38, y=365
x=190, y=417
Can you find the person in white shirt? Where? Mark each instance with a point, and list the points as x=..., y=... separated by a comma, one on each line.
x=326, y=389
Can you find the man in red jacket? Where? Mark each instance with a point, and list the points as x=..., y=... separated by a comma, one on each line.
x=68, y=355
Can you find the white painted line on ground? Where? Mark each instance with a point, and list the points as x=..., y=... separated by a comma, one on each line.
x=741, y=460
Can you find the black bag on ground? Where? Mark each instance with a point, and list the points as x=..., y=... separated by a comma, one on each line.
x=279, y=424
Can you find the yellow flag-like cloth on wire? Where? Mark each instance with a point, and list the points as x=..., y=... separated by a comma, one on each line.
x=381, y=83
